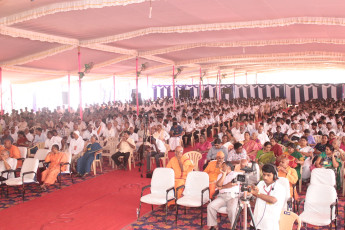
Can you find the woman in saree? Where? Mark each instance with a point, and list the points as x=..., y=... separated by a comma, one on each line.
x=90, y=152
x=54, y=158
x=202, y=147
x=277, y=149
x=296, y=159
x=265, y=156
x=256, y=139
x=251, y=146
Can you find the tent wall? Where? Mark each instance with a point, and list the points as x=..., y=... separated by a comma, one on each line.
x=293, y=93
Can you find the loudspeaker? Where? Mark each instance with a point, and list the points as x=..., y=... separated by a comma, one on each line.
x=65, y=98
x=183, y=93
x=134, y=99
x=206, y=93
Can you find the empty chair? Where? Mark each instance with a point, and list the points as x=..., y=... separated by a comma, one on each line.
x=196, y=192
x=321, y=201
x=23, y=153
x=288, y=219
x=162, y=189
x=194, y=156
x=288, y=200
x=27, y=175
x=41, y=155
x=96, y=161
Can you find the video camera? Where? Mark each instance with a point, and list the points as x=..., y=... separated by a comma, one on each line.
x=244, y=178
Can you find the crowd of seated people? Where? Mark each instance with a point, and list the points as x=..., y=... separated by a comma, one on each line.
x=265, y=131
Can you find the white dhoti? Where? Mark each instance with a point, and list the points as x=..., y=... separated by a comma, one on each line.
x=174, y=142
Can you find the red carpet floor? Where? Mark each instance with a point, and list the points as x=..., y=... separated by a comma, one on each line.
x=105, y=202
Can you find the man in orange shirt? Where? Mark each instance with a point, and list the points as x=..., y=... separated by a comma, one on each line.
x=181, y=165
x=14, y=151
x=213, y=170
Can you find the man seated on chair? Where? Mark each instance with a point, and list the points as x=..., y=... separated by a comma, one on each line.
x=176, y=132
x=76, y=147
x=181, y=165
x=228, y=196
x=125, y=147
x=88, y=133
x=213, y=170
x=157, y=151
x=284, y=170
x=90, y=152
x=6, y=163
x=237, y=154
x=13, y=150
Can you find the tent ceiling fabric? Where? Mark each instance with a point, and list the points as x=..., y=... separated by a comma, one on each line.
x=39, y=39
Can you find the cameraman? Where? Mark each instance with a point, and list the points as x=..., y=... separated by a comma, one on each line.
x=228, y=196
x=270, y=198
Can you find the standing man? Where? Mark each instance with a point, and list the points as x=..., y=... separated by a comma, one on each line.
x=228, y=196
x=270, y=198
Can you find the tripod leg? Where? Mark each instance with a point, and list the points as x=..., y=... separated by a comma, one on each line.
x=251, y=216
x=234, y=225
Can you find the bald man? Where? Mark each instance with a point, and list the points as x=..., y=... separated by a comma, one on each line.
x=181, y=165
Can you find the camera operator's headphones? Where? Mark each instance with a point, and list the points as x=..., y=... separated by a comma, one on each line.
x=275, y=172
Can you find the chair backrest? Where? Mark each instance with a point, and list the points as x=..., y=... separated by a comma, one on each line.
x=319, y=198
x=162, y=179
x=111, y=145
x=285, y=183
x=40, y=145
x=41, y=154
x=195, y=182
x=194, y=156
x=23, y=151
x=69, y=158
x=30, y=164
x=317, y=138
x=287, y=220
x=322, y=176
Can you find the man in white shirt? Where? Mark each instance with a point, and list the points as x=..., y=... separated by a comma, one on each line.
x=270, y=198
x=158, y=151
x=76, y=147
x=87, y=134
x=125, y=147
x=228, y=196
x=109, y=131
x=7, y=163
x=262, y=136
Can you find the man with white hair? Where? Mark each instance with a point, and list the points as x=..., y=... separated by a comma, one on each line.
x=262, y=136
x=6, y=163
x=76, y=147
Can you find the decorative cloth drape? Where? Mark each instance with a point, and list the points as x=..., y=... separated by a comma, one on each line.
x=293, y=93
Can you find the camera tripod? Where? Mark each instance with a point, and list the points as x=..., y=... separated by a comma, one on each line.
x=244, y=205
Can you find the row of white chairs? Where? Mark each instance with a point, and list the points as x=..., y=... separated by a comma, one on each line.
x=320, y=204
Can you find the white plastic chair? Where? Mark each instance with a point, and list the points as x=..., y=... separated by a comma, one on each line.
x=196, y=192
x=194, y=156
x=162, y=189
x=41, y=155
x=288, y=200
x=321, y=201
x=27, y=175
x=68, y=169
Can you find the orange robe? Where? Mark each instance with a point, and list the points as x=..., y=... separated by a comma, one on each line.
x=213, y=173
x=50, y=174
x=292, y=177
x=180, y=176
x=15, y=153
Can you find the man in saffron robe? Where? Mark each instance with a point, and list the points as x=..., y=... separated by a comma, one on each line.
x=181, y=165
x=213, y=170
x=13, y=150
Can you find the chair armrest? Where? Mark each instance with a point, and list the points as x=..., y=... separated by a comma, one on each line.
x=289, y=203
x=9, y=171
x=171, y=189
x=334, y=204
x=145, y=187
x=27, y=173
x=180, y=187
x=46, y=164
x=20, y=159
x=41, y=161
x=215, y=194
x=202, y=194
